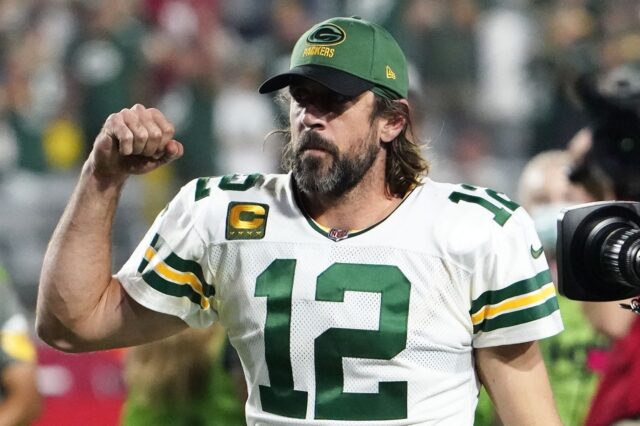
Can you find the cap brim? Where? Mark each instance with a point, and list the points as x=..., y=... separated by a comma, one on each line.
x=338, y=81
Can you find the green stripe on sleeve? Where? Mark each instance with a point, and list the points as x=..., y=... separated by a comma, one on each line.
x=180, y=264
x=143, y=265
x=145, y=262
x=516, y=289
x=184, y=265
x=171, y=288
x=518, y=317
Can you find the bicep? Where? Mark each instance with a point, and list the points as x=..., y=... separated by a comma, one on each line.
x=516, y=380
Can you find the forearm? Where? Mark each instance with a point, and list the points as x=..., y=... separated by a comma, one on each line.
x=76, y=271
x=516, y=380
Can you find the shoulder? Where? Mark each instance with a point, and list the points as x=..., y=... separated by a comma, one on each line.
x=469, y=219
x=206, y=204
x=456, y=204
x=215, y=190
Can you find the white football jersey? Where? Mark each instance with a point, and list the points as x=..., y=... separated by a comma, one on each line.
x=336, y=327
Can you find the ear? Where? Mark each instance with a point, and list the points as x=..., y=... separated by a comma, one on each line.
x=392, y=126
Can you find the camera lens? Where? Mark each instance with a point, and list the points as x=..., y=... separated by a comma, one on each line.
x=620, y=255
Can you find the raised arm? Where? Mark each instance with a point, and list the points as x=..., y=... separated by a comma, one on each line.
x=81, y=307
x=516, y=380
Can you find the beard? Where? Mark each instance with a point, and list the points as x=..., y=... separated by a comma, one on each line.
x=344, y=171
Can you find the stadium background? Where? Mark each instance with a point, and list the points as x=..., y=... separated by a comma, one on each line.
x=490, y=79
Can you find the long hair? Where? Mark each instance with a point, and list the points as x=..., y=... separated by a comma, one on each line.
x=405, y=165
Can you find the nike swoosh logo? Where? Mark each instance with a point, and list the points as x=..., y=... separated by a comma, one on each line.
x=536, y=253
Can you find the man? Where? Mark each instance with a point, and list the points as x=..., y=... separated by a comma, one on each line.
x=19, y=396
x=355, y=290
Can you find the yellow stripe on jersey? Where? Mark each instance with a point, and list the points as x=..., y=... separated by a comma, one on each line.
x=182, y=278
x=515, y=303
x=168, y=277
x=521, y=302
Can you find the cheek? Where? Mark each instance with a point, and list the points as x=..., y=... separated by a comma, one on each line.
x=294, y=122
x=295, y=113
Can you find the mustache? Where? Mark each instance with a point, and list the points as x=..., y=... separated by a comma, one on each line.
x=312, y=140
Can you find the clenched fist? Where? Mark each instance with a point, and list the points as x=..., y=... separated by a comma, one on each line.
x=134, y=141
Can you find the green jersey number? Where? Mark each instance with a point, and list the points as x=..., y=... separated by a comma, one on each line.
x=235, y=182
x=500, y=214
x=331, y=402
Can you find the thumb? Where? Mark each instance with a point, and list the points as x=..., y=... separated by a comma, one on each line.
x=104, y=142
x=173, y=150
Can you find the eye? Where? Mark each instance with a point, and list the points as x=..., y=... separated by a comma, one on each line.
x=300, y=95
x=338, y=99
x=336, y=102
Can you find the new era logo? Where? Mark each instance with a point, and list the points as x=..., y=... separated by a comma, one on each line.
x=390, y=74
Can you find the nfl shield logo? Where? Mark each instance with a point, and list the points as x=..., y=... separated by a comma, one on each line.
x=337, y=234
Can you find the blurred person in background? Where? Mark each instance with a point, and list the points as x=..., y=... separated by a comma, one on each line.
x=20, y=400
x=296, y=266
x=103, y=61
x=237, y=100
x=608, y=154
x=182, y=49
x=573, y=358
x=190, y=379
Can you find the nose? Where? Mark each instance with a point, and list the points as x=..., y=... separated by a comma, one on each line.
x=313, y=117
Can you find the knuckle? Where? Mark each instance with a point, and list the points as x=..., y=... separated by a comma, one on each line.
x=155, y=134
x=126, y=136
x=142, y=133
x=168, y=129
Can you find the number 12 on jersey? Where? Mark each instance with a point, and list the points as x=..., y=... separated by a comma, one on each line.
x=331, y=402
x=500, y=214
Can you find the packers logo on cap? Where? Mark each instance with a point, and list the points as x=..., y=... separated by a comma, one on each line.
x=327, y=34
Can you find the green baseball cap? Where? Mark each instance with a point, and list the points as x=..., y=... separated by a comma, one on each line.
x=348, y=56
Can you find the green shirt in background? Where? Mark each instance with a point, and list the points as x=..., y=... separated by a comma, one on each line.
x=219, y=405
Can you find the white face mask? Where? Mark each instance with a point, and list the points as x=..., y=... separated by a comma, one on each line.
x=545, y=218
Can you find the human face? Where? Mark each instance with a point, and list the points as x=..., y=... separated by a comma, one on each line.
x=334, y=140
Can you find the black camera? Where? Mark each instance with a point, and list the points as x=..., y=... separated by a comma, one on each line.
x=598, y=246
x=598, y=251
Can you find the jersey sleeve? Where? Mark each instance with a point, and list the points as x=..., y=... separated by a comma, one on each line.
x=168, y=271
x=513, y=297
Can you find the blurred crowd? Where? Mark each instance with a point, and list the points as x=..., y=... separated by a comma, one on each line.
x=491, y=83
